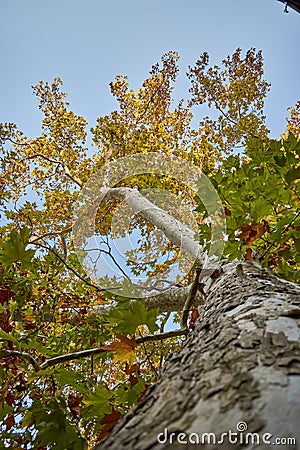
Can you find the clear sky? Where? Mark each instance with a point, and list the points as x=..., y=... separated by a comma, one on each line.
x=87, y=43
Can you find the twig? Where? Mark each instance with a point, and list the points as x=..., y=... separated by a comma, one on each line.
x=162, y=336
x=51, y=233
x=23, y=355
x=70, y=357
x=69, y=267
x=190, y=298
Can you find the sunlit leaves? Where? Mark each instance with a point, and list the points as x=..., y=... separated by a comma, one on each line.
x=237, y=92
x=47, y=298
x=123, y=347
x=13, y=250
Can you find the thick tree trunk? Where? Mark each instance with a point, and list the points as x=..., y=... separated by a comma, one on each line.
x=241, y=363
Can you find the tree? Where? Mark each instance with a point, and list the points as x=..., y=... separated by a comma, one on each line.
x=80, y=347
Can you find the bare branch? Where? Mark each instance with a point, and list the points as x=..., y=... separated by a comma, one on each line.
x=71, y=357
x=189, y=300
x=162, y=336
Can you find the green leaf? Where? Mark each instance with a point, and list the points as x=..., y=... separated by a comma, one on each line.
x=97, y=402
x=293, y=174
x=14, y=249
x=8, y=337
x=128, y=320
x=260, y=208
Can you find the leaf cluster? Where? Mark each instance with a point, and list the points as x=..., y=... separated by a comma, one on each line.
x=261, y=198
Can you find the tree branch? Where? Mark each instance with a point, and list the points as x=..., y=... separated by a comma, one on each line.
x=176, y=231
x=85, y=353
x=189, y=300
x=23, y=355
x=167, y=301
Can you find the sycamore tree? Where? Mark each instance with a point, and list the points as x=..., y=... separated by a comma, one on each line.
x=98, y=248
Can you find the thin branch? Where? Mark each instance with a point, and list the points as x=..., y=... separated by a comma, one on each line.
x=164, y=321
x=162, y=336
x=70, y=357
x=69, y=267
x=53, y=161
x=23, y=355
x=234, y=121
x=52, y=233
x=85, y=353
x=272, y=244
x=189, y=300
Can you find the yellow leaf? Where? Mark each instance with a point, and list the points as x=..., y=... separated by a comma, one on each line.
x=124, y=348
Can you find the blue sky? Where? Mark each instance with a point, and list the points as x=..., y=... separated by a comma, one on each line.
x=88, y=43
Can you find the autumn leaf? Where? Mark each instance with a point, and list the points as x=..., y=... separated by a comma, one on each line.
x=6, y=294
x=9, y=422
x=129, y=370
x=124, y=348
x=253, y=231
x=6, y=396
x=74, y=401
x=248, y=254
x=194, y=317
x=109, y=420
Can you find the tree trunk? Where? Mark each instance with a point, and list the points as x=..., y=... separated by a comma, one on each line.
x=241, y=363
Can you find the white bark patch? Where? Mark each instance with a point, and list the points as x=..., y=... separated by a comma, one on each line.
x=208, y=418
x=176, y=231
x=262, y=306
x=286, y=325
x=274, y=398
x=246, y=325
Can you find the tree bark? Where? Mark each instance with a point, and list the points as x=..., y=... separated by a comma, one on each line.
x=241, y=363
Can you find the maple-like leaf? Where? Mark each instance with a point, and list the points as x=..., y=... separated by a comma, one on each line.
x=9, y=422
x=109, y=420
x=124, y=348
x=253, y=231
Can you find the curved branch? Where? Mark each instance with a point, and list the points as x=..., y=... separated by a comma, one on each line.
x=23, y=355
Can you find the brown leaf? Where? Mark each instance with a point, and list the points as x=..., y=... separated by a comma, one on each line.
x=6, y=396
x=248, y=254
x=251, y=232
x=135, y=368
x=227, y=211
x=74, y=401
x=194, y=317
x=133, y=380
x=109, y=420
x=4, y=322
x=9, y=422
x=6, y=294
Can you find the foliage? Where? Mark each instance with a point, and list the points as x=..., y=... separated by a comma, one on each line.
x=237, y=92
x=260, y=192
x=67, y=373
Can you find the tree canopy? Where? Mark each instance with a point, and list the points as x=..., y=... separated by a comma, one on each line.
x=76, y=353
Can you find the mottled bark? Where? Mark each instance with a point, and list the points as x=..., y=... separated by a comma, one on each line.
x=167, y=301
x=179, y=233
x=240, y=363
